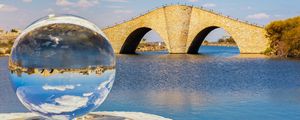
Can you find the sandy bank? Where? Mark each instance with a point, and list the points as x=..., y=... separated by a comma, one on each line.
x=91, y=116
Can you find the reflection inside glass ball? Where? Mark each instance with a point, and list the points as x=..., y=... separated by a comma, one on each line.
x=62, y=67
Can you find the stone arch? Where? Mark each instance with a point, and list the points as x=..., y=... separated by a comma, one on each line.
x=133, y=39
x=179, y=27
x=196, y=43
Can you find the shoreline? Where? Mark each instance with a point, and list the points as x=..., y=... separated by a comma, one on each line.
x=220, y=45
x=114, y=115
x=144, y=47
x=153, y=47
x=4, y=55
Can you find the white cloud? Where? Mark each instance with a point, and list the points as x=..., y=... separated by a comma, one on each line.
x=27, y=1
x=69, y=11
x=59, y=88
x=87, y=3
x=65, y=103
x=259, y=16
x=192, y=0
x=87, y=94
x=79, y=3
x=123, y=11
x=209, y=5
x=116, y=0
x=278, y=16
x=64, y=3
x=72, y=101
x=7, y=8
x=49, y=10
x=113, y=6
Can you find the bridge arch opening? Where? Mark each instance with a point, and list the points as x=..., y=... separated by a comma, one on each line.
x=142, y=40
x=214, y=40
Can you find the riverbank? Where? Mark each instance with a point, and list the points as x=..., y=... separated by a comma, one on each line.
x=220, y=44
x=159, y=46
x=91, y=116
x=6, y=42
x=151, y=46
x=4, y=55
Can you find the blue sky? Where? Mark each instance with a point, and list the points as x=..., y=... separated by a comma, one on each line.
x=20, y=13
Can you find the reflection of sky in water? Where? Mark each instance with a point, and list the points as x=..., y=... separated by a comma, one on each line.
x=211, y=51
x=197, y=87
x=219, y=51
x=63, y=95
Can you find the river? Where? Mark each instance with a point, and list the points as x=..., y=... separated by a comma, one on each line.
x=219, y=84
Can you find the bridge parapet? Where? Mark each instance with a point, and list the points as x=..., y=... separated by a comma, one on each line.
x=198, y=7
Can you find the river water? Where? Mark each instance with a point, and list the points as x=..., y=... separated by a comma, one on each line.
x=219, y=84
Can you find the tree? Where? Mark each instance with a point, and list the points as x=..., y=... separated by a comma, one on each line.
x=284, y=36
x=144, y=40
x=205, y=42
x=221, y=40
x=228, y=40
x=14, y=30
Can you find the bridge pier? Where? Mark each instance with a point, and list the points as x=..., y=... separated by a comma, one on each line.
x=178, y=20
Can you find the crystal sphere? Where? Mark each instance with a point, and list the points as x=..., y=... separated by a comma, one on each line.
x=62, y=67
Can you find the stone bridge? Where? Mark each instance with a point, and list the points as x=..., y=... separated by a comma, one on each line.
x=183, y=29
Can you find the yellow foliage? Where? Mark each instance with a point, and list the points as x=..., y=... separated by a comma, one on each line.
x=285, y=37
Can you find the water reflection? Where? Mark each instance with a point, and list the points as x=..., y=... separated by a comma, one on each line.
x=66, y=94
x=203, y=87
x=219, y=51
x=252, y=56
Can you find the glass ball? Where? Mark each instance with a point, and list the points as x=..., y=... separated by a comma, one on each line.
x=62, y=67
